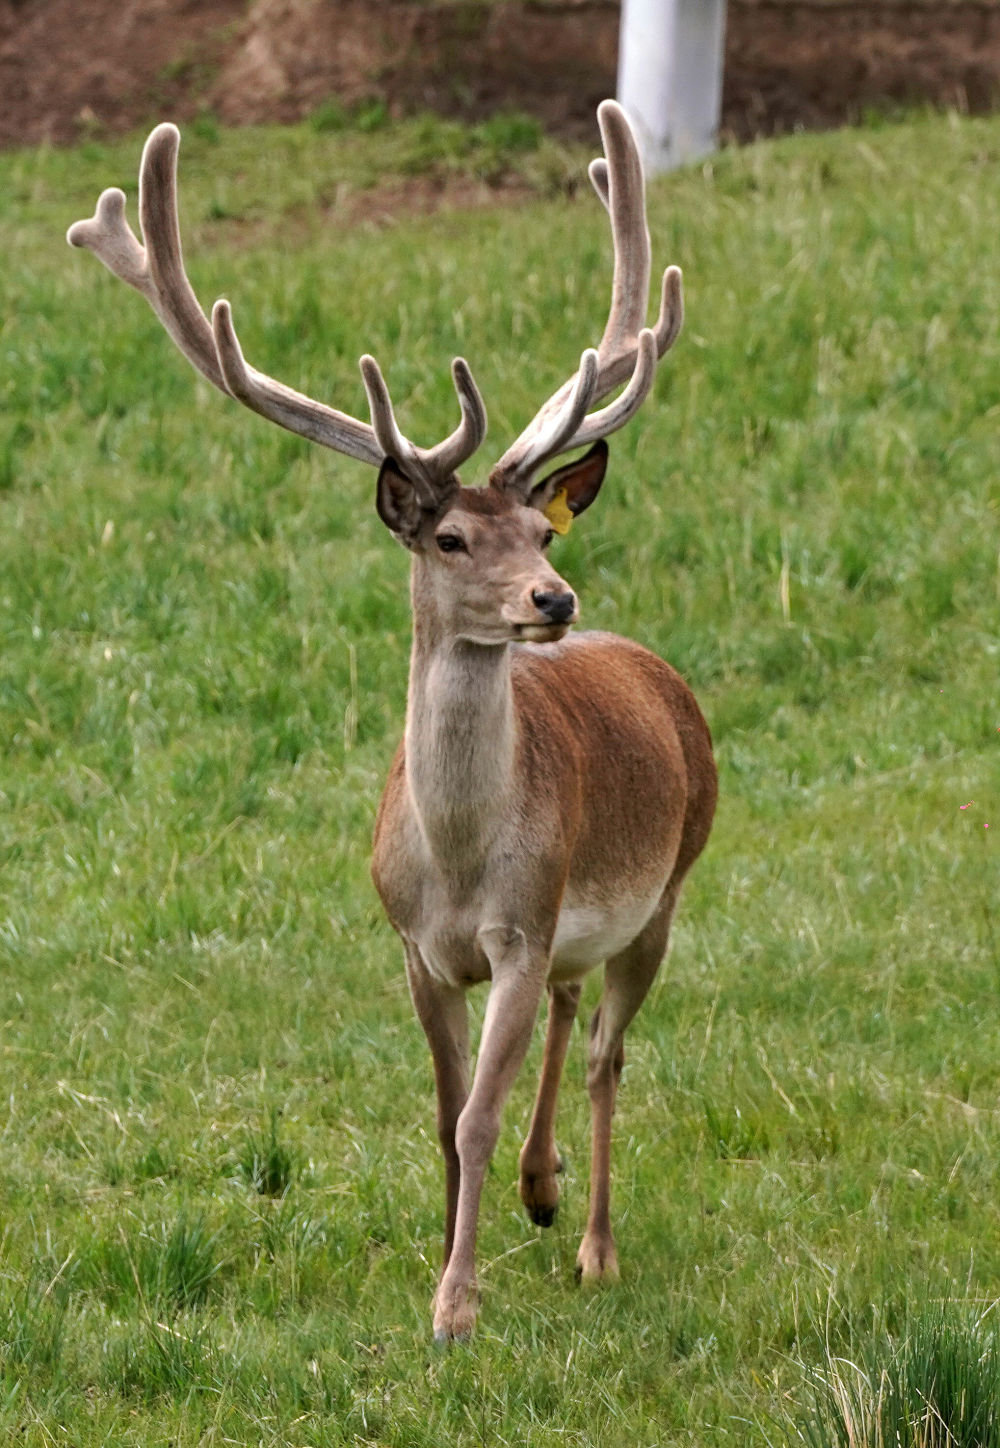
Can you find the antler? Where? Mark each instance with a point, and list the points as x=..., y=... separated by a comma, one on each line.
x=157, y=271
x=628, y=350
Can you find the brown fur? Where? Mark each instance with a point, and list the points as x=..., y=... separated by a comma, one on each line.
x=540, y=815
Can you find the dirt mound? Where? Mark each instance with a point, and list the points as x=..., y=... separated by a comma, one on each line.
x=69, y=67
x=803, y=65
x=469, y=60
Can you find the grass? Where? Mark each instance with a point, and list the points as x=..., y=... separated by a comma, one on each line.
x=932, y=1383
x=205, y=639
x=264, y=1162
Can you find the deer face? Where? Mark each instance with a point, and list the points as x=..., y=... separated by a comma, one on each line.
x=480, y=559
x=485, y=561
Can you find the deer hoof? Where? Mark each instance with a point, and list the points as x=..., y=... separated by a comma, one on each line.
x=539, y=1189
x=597, y=1260
x=540, y=1195
x=444, y=1339
x=455, y=1313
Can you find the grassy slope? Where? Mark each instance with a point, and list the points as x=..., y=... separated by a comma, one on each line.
x=204, y=641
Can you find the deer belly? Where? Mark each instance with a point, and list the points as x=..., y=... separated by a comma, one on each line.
x=589, y=933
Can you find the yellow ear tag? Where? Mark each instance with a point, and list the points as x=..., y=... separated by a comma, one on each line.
x=558, y=512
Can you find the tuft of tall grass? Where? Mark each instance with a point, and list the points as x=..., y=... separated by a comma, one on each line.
x=933, y=1384
x=165, y=1267
x=735, y=1133
x=265, y=1162
x=32, y=1324
x=157, y=1359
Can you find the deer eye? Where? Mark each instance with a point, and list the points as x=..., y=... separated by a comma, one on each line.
x=549, y=535
x=449, y=543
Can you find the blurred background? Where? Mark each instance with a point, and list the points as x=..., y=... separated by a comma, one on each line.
x=70, y=68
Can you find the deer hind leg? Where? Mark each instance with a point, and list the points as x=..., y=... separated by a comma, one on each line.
x=442, y=1012
x=627, y=978
x=540, y=1160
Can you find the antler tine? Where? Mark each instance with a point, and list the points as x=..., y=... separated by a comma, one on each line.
x=390, y=439
x=156, y=270
x=598, y=173
x=630, y=234
x=564, y=420
x=628, y=351
x=468, y=436
x=431, y=469
x=618, y=413
x=671, y=317
x=176, y=304
x=108, y=235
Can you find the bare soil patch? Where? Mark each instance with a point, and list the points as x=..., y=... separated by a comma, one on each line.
x=808, y=66
x=70, y=67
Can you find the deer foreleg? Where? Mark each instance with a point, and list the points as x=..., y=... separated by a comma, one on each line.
x=442, y=1012
x=518, y=975
x=540, y=1161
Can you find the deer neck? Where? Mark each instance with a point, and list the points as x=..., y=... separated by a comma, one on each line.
x=460, y=744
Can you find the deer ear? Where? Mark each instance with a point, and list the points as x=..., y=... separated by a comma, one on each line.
x=397, y=503
x=571, y=488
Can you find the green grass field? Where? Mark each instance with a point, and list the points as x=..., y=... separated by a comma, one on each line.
x=219, y=1180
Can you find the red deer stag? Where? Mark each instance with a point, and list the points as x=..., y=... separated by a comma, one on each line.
x=551, y=790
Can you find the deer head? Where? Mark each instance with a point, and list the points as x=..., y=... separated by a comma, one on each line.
x=479, y=554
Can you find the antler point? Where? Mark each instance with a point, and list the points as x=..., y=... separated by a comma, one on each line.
x=165, y=133
x=598, y=173
x=614, y=122
x=163, y=140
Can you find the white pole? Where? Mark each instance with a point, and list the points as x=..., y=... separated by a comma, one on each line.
x=670, y=76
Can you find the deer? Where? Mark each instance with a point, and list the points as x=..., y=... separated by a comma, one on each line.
x=553, y=787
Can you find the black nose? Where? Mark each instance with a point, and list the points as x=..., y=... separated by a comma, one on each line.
x=557, y=607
